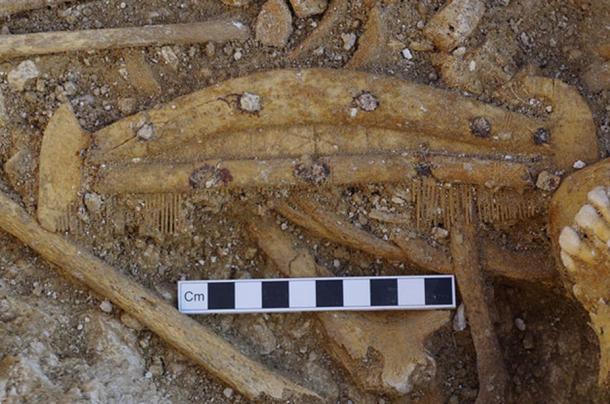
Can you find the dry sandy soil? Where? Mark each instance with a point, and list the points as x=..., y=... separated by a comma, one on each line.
x=58, y=342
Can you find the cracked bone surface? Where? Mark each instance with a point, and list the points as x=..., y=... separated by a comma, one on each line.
x=364, y=343
x=579, y=227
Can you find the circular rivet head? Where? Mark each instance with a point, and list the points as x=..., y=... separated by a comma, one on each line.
x=542, y=136
x=480, y=127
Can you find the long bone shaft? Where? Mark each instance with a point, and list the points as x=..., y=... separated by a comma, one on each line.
x=185, y=334
x=24, y=45
x=493, y=378
x=531, y=266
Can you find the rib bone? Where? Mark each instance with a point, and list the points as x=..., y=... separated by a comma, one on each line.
x=25, y=45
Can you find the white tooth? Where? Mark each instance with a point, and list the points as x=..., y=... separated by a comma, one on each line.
x=570, y=241
x=587, y=217
x=577, y=290
x=568, y=262
x=598, y=197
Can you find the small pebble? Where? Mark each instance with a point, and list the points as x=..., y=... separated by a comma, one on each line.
x=406, y=53
x=547, y=181
x=578, y=164
x=228, y=392
x=349, y=40
x=106, y=306
x=438, y=233
x=520, y=324
x=460, y=51
x=274, y=23
x=26, y=71
x=146, y=132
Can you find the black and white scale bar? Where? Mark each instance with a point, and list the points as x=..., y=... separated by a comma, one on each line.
x=317, y=294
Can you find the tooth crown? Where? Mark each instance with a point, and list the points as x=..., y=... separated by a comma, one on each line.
x=579, y=227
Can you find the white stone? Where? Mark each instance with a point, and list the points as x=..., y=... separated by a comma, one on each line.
x=578, y=164
x=520, y=324
x=406, y=53
x=26, y=71
x=349, y=40
x=106, y=306
x=146, y=132
x=459, y=320
x=170, y=56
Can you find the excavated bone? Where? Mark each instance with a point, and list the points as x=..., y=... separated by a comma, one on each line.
x=335, y=11
x=531, y=265
x=454, y=23
x=371, y=42
x=365, y=344
x=60, y=171
x=252, y=379
x=579, y=228
x=493, y=377
x=23, y=45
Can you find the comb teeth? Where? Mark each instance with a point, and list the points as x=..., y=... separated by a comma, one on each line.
x=163, y=213
x=438, y=204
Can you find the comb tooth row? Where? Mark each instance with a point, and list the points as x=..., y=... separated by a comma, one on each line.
x=163, y=213
x=436, y=204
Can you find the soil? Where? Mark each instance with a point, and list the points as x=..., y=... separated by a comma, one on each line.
x=54, y=327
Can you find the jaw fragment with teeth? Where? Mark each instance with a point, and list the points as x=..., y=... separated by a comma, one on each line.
x=580, y=230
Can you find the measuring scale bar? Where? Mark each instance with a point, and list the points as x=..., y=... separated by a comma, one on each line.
x=317, y=294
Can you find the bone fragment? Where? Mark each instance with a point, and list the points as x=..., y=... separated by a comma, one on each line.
x=24, y=45
x=194, y=340
x=60, y=169
x=396, y=368
x=530, y=266
x=454, y=23
x=371, y=42
x=335, y=11
x=493, y=378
